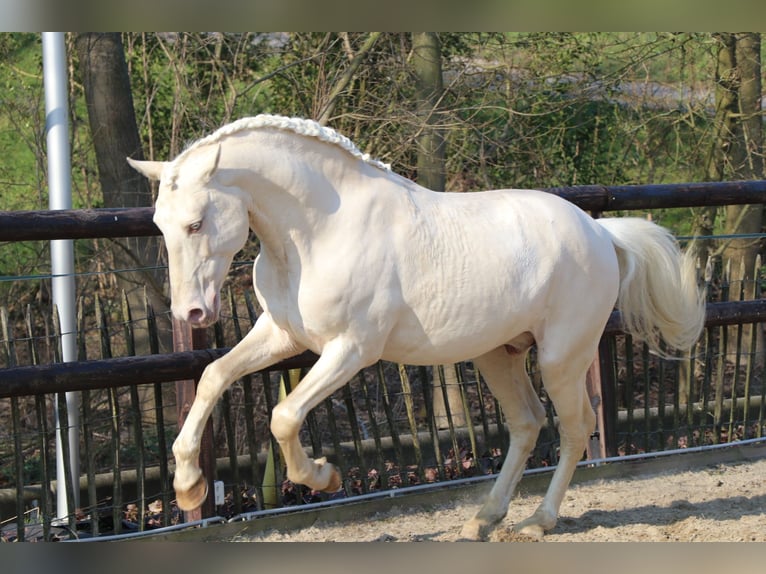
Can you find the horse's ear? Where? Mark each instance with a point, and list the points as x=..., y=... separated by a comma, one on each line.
x=150, y=169
x=210, y=162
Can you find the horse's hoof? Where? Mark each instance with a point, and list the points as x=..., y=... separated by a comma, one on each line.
x=193, y=497
x=473, y=531
x=530, y=529
x=336, y=482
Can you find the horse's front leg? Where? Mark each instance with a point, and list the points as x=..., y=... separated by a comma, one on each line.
x=264, y=345
x=339, y=361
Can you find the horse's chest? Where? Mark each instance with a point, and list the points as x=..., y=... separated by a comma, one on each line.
x=311, y=315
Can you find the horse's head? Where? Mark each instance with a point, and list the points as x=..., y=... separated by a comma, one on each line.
x=204, y=223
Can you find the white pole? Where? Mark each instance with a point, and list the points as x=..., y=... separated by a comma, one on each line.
x=62, y=250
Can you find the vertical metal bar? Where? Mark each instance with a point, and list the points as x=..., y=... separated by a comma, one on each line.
x=62, y=250
x=456, y=462
x=392, y=426
x=114, y=414
x=313, y=428
x=426, y=386
x=707, y=376
x=719, y=382
x=460, y=372
x=228, y=424
x=87, y=427
x=67, y=483
x=723, y=348
x=135, y=415
x=270, y=399
x=750, y=368
x=18, y=449
x=231, y=442
x=607, y=370
x=661, y=403
x=645, y=358
x=114, y=411
x=90, y=455
x=382, y=473
x=740, y=330
x=677, y=374
x=762, y=408
x=482, y=409
x=45, y=470
x=629, y=379
x=410, y=407
x=41, y=411
x=249, y=414
x=333, y=428
x=355, y=434
x=749, y=372
x=64, y=436
x=159, y=408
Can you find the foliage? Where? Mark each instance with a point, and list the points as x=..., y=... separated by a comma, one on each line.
x=519, y=109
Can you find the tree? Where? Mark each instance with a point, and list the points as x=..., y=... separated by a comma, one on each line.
x=115, y=136
x=745, y=153
x=726, y=103
x=736, y=148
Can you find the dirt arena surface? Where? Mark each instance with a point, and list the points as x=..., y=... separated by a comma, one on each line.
x=714, y=502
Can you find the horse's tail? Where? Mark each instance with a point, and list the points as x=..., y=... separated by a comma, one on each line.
x=659, y=297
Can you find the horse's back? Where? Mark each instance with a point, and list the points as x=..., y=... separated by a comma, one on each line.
x=479, y=269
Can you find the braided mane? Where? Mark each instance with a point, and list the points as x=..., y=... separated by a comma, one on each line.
x=298, y=126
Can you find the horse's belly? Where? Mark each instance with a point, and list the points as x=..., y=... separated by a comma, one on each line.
x=409, y=343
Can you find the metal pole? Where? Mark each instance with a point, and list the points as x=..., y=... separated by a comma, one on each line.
x=62, y=250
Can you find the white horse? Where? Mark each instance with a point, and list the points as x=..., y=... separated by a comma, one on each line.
x=358, y=264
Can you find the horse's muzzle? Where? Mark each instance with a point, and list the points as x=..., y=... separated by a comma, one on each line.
x=202, y=315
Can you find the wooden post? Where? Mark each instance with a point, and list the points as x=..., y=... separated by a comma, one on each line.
x=187, y=339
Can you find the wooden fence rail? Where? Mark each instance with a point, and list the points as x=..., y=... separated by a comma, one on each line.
x=136, y=222
x=167, y=367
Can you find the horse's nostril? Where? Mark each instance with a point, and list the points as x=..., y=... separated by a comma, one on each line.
x=195, y=316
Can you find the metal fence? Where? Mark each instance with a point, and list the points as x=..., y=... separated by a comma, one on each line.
x=380, y=429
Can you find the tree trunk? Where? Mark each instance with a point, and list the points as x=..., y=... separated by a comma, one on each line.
x=747, y=163
x=746, y=157
x=427, y=65
x=726, y=103
x=115, y=136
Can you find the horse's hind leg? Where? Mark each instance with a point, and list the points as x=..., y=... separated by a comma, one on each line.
x=564, y=381
x=504, y=370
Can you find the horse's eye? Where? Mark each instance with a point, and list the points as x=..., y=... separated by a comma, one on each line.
x=195, y=227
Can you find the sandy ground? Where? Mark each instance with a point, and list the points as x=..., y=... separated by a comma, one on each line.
x=724, y=502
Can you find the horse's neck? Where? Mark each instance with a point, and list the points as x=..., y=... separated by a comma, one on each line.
x=293, y=194
x=291, y=166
